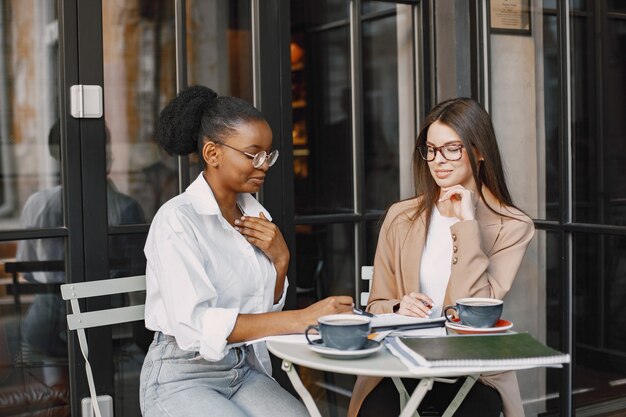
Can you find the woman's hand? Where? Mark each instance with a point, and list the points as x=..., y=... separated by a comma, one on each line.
x=416, y=304
x=463, y=201
x=337, y=304
x=266, y=236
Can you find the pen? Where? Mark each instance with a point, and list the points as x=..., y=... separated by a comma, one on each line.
x=361, y=312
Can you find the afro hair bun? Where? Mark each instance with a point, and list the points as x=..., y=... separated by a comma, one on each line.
x=178, y=128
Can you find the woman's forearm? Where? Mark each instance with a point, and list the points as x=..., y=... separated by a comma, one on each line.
x=281, y=274
x=254, y=326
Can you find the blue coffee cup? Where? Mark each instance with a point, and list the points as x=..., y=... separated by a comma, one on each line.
x=476, y=312
x=342, y=331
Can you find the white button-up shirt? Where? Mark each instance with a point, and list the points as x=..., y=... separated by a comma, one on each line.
x=201, y=273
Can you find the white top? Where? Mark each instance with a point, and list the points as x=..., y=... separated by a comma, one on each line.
x=201, y=274
x=435, y=267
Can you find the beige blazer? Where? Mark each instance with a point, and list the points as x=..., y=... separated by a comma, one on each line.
x=488, y=252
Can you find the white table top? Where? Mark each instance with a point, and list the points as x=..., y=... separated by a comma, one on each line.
x=381, y=363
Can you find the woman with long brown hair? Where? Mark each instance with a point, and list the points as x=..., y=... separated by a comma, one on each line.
x=461, y=236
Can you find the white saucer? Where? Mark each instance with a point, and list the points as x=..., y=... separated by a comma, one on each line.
x=500, y=327
x=370, y=347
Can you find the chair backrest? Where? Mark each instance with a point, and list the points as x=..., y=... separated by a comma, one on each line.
x=85, y=320
x=367, y=272
x=79, y=321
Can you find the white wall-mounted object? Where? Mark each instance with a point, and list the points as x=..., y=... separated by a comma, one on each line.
x=86, y=101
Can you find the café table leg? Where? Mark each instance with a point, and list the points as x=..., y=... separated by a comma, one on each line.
x=300, y=389
x=422, y=388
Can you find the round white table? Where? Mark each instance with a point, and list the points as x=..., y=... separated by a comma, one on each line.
x=381, y=363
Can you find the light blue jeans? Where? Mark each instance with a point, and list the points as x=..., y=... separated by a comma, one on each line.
x=179, y=383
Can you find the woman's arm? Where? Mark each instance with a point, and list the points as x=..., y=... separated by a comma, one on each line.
x=183, y=301
x=254, y=326
x=476, y=274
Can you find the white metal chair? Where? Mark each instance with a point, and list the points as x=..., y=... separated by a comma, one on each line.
x=367, y=273
x=80, y=321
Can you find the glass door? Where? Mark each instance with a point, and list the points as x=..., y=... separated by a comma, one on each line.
x=355, y=104
x=34, y=366
x=77, y=195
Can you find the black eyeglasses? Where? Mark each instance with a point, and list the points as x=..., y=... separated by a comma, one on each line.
x=259, y=158
x=451, y=151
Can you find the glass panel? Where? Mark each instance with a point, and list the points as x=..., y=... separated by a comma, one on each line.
x=598, y=125
x=599, y=319
x=33, y=341
x=322, y=132
x=325, y=260
x=380, y=113
x=138, y=45
x=126, y=257
x=616, y=5
x=308, y=13
x=549, y=4
x=368, y=6
x=614, y=123
x=549, y=170
x=219, y=51
x=33, y=327
x=581, y=5
x=29, y=163
x=535, y=305
x=588, y=180
x=372, y=231
x=130, y=340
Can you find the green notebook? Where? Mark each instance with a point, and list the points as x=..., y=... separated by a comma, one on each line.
x=509, y=349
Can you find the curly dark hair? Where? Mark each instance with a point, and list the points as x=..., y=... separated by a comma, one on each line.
x=198, y=113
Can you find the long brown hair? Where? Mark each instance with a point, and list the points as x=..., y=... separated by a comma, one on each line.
x=473, y=125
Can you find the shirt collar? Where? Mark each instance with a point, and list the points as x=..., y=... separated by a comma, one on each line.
x=203, y=200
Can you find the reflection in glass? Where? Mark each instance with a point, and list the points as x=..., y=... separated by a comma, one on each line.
x=540, y=387
x=369, y=6
x=130, y=340
x=323, y=164
x=551, y=207
x=616, y=5
x=28, y=104
x=306, y=12
x=219, y=51
x=138, y=44
x=598, y=122
x=380, y=113
x=325, y=259
x=33, y=342
x=599, y=318
x=372, y=230
x=614, y=123
x=33, y=329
